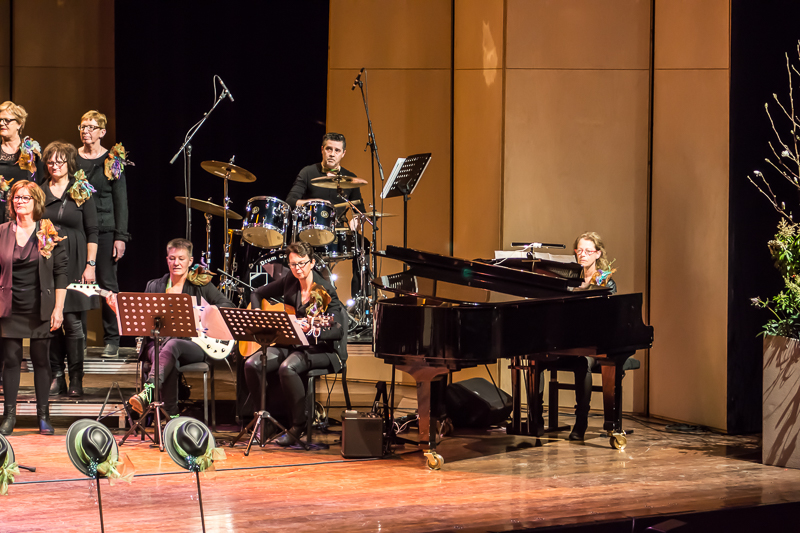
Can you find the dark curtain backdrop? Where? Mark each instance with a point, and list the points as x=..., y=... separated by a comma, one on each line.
x=272, y=56
x=761, y=33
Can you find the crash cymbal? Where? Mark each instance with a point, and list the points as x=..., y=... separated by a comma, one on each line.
x=379, y=215
x=222, y=169
x=208, y=207
x=334, y=182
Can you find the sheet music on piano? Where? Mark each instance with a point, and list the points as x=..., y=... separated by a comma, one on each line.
x=562, y=265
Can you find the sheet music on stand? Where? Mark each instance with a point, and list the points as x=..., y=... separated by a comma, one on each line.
x=138, y=310
x=229, y=323
x=405, y=175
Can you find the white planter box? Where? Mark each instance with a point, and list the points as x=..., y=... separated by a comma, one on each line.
x=781, y=402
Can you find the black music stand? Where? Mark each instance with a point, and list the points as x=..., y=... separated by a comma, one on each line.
x=265, y=328
x=142, y=314
x=403, y=181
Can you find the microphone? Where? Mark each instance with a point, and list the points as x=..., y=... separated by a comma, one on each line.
x=226, y=88
x=358, y=79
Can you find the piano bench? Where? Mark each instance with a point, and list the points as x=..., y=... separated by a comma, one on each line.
x=552, y=398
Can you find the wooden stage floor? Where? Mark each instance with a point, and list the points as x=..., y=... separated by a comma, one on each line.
x=490, y=482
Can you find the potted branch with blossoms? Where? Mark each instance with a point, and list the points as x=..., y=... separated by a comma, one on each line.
x=781, y=346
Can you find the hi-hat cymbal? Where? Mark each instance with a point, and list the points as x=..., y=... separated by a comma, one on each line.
x=334, y=182
x=222, y=169
x=208, y=207
x=379, y=214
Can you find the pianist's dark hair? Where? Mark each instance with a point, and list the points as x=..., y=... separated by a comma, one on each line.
x=336, y=137
x=602, y=261
x=303, y=249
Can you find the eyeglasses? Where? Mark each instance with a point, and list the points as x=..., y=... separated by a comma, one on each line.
x=89, y=128
x=581, y=251
x=299, y=265
x=5, y=121
x=23, y=199
x=55, y=164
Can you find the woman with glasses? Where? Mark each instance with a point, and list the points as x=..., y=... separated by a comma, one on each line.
x=33, y=281
x=105, y=170
x=327, y=347
x=19, y=156
x=70, y=205
x=181, y=279
x=591, y=255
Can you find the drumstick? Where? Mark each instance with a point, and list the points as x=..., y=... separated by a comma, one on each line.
x=345, y=203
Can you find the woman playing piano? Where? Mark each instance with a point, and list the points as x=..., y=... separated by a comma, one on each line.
x=591, y=255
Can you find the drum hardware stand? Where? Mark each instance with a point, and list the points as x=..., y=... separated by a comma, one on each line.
x=262, y=329
x=186, y=149
x=179, y=309
x=207, y=253
x=363, y=303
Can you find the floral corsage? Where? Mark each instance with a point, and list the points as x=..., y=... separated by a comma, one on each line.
x=28, y=149
x=81, y=190
x=47, y=236
x=198, y=275
x=116, y=161
x=601, y=277
x=5, y=185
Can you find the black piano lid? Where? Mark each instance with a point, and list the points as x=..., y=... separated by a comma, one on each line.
x=479, y=275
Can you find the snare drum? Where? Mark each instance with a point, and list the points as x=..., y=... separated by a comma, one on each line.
x=316, y=222
x=266, y=222
x=342, y=247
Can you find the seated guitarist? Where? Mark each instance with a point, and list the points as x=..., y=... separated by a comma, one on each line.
x=327, y=346
x=181, y=279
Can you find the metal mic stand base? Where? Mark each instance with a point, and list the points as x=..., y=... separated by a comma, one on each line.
x=156, y=408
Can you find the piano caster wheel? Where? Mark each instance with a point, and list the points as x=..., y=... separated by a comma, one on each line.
x=435, y=461
x=618, y=441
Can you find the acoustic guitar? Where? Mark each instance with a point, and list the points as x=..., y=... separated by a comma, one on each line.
x=248, y=348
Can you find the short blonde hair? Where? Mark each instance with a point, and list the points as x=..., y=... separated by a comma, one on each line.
x=36, y=193
x=97, y=116
x=17, y=110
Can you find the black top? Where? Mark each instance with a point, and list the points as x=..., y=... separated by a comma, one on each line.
x=288, y=288
x=304, y=189
x=25, y=278
x=10, y=170
x=111, y=197
x=79, y=225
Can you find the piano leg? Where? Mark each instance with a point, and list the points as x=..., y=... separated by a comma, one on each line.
x=612, y=401
x=516, y=397
x=535, y=409
x=430, y=388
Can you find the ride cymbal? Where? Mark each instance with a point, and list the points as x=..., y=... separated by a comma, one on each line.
x=210, y=208
x=335, y=182
x=232, y=172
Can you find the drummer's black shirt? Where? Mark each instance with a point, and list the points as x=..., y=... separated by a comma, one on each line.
x=302, y=189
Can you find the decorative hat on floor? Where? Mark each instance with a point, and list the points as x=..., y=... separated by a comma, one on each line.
x=191, y=445
x=92, y=449
x=8, y=466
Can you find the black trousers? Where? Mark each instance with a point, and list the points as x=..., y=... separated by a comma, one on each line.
x=73, y=329
x=106, y=272
x=289, y=363
x=11, y=350
x=174, y=350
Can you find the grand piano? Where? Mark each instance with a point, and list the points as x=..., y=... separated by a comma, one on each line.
x=447, y=314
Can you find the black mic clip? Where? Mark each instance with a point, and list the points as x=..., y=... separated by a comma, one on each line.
x=357, y=83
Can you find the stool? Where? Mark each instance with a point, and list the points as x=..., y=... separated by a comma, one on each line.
x=311, y=394
x=207, y=368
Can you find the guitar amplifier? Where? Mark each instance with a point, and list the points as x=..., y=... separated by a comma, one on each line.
x=362, y=435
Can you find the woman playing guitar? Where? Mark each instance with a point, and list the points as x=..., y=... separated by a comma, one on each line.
x=303, y=291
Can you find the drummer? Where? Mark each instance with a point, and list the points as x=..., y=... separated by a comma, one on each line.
x=334, y=147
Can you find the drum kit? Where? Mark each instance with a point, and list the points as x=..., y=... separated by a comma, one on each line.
x=269, y=224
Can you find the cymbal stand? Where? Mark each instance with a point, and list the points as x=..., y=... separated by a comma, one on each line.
x=225, y=203
x=207, y=253
x=362, y=302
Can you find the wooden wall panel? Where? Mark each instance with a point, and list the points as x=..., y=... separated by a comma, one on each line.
x=578, y=34
x=5, y=50
x=690, y=247
x=692, y=35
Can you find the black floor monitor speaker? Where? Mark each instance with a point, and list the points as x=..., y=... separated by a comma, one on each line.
x=477, y=403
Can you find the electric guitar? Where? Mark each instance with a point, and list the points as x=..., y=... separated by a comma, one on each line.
x=214, y=348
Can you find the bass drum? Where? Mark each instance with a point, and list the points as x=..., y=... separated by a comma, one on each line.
x=259, y=267
x=266, y=222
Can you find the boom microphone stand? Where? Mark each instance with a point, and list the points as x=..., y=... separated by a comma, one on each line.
x=186, y=148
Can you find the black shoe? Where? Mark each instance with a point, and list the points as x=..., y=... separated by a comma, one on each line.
x=59, y=384
x=75, y=386
x=579, y=429
x=10, y=420
x=111, y=350
x=43, y=414
x=287, y=439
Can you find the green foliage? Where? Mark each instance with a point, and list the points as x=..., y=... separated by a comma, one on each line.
x=785, y=306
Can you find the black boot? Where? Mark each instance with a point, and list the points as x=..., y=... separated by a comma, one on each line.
x=75, y=365
x=583, y=396
x=10, y=419
x=287, y=439
x=43, y=414
x=59, y=384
